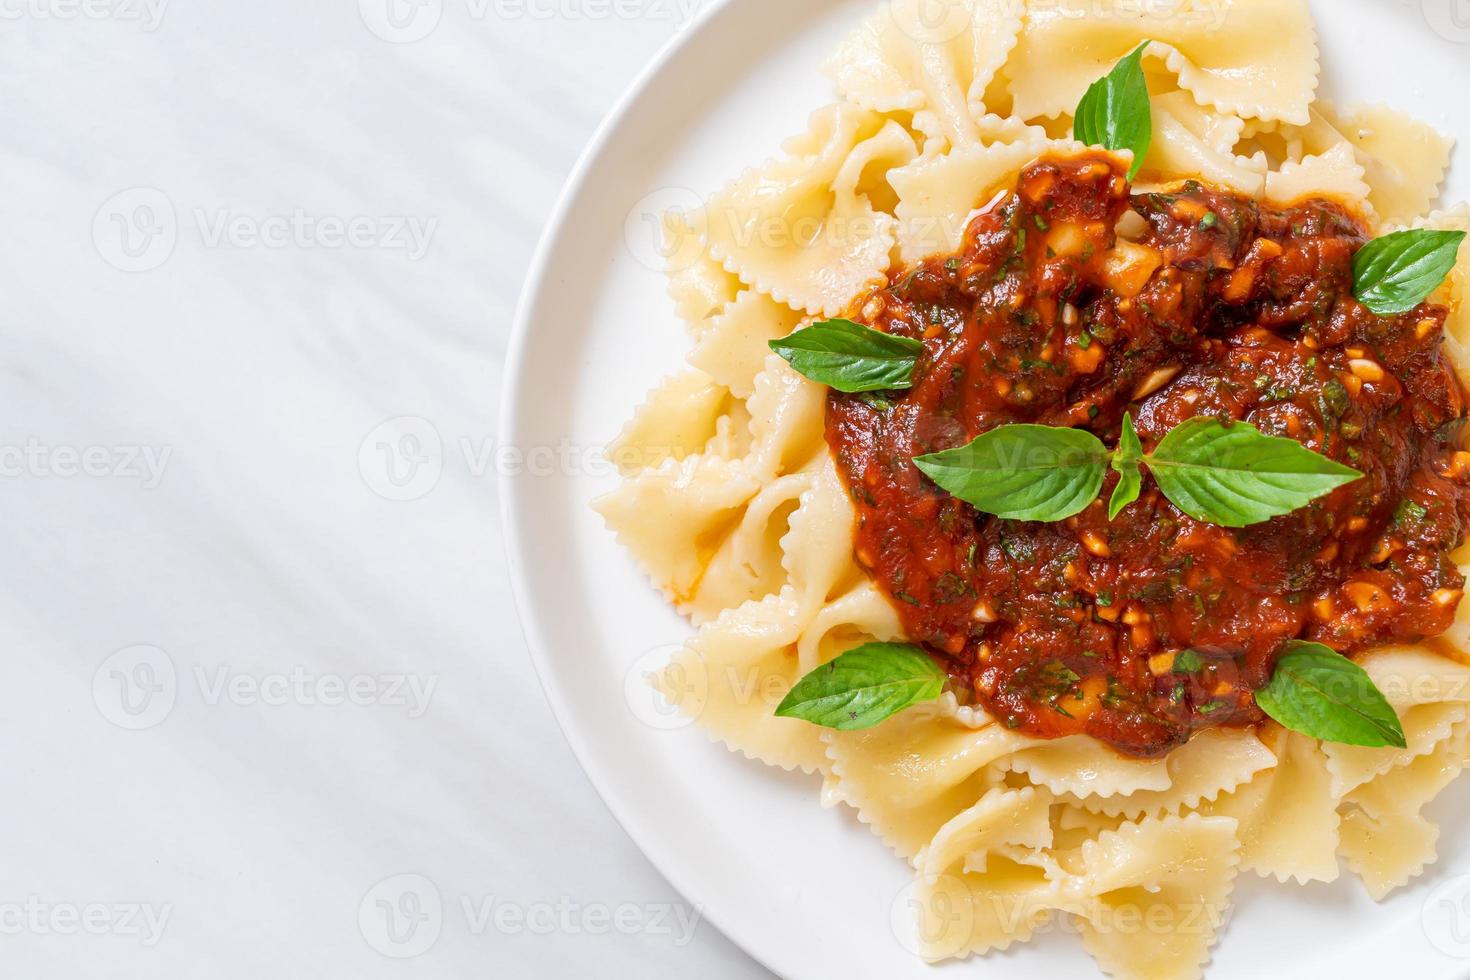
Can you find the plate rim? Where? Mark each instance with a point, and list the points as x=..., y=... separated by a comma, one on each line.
x=510, y=486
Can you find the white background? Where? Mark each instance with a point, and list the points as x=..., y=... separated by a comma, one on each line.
x=185, y=615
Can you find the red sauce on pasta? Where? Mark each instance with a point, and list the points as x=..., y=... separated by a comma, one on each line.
x=1140, y=630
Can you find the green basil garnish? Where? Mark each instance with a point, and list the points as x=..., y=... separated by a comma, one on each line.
x=1116, y=113
x=1023, y=472
x=1321, y=693
x=1232, y=475
x=850, y=357
x=865, y=687
x=1397, y=272
x=1236, y=476
x=1126, y=463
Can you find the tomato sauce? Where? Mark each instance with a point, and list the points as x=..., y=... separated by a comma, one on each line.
x=1074, y=300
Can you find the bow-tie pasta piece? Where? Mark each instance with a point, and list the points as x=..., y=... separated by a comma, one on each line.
x=751, y=562
x=977, y=888
x=1154, y=894
x=1070, y=818
x=1404, y=160
x=1250, y=58
x=817, y=552
x=672, y=518
x=909, y=776
x=1072, y=829
x=1214, y=761
x=1190, y=141
x=1078, y=766
x=1410, y=788
x=787, y=414
x=1386, y=840
x=679, y=419
x=733, y=674
x=699, y=286
x=1335, y=174
x=734, y=346
x=1006, y=129
x=1431, y=695
x=1387, y=852
x=859, y=616
x=930, y=58
x=750, y=657
x=792, y=534
x=805, y=229
x=1219, y=131
x=1287, y=815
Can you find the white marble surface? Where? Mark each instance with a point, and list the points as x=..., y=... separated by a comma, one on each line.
x=319, y=688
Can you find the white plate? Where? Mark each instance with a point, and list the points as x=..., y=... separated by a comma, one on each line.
x=809, y=891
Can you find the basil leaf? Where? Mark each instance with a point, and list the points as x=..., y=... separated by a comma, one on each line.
x=864, y=687
x=1116, y=114
x=1126, y=464
x=1023, y=472
x=850, y=357
x=1397, y=272
x=1321, y=693
x=1236, y=475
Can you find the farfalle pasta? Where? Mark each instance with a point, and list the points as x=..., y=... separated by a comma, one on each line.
x=802, y=229
x=1248, y=58
x=933, y=61
x=1404, y=160
x=1193, y=139
x=743, y=503
x=1287, y=816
